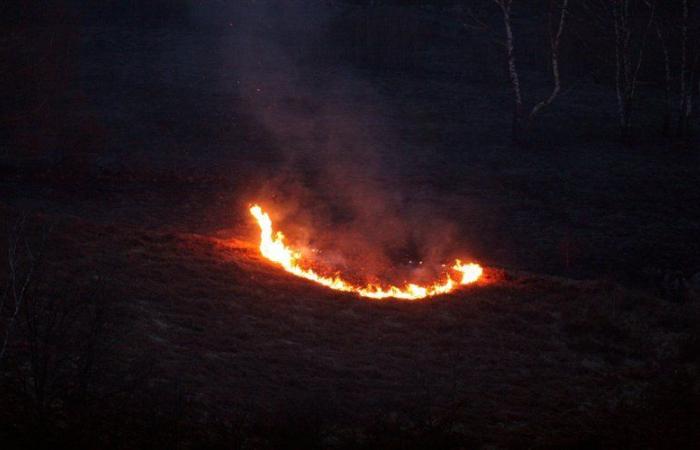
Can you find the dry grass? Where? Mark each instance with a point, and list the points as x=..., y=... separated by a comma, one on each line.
x=519, y=359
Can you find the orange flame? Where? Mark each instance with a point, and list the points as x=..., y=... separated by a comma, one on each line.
x=272, y=247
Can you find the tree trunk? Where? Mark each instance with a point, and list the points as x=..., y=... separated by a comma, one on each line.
x=522, y=120
x=519, y=132
x=666, y=121
x=626, y=68
x=517, y=125
x=686, y=90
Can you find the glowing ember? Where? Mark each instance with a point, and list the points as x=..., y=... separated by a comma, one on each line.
x=272, y=247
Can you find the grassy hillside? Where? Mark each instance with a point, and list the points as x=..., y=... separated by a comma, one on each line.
x=234, y=346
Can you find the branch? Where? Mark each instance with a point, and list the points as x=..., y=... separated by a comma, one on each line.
x=555, y=43
x=476, y=23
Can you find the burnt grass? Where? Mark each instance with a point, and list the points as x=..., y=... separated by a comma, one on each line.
x=141, y=160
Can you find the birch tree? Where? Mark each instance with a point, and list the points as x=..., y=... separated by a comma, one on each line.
x=624, y=26
x=676, y=28
x=628, y=60
x=522, y=118
x=687, y=71
x=662, y=35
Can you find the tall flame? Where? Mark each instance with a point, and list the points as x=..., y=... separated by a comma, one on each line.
x=272, y=247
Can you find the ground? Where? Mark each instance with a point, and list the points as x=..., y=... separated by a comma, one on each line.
x=519, y=359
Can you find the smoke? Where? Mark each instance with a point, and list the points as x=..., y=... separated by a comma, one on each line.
x=334, y=181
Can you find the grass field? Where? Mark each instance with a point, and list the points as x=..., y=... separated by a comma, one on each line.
x=518, y=360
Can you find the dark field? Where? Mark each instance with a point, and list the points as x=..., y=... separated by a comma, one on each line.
x=132, y=146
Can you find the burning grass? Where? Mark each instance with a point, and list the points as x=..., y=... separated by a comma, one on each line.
x=273, y=247
x=521, y=359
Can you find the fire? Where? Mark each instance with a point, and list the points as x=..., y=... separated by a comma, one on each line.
x=272, y=247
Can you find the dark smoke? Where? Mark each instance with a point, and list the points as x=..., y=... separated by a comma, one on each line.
x=336, y=185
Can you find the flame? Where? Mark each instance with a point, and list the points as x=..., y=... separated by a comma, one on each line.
x=272, y=247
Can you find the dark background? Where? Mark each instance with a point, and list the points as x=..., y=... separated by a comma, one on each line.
x=379, y=131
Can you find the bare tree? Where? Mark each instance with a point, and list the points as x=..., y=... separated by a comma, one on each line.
x=676, y=26
x=661, y=34
x=56, y=341
x=522, y=119
x=22, y=265
x=687, y=69
x=625, y=27
x=628, y=62
x=64, y=336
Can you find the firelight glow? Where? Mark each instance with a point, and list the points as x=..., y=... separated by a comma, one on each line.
x=272, y=247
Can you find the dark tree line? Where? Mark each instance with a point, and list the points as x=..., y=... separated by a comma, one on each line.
x=644, y=53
